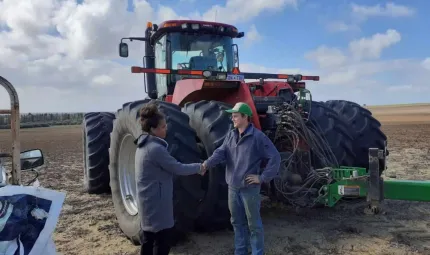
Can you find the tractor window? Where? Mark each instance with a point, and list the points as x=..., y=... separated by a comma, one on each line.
x=201, y=52
x=160, y=62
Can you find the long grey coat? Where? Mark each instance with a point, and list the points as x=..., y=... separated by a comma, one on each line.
x=155, y=168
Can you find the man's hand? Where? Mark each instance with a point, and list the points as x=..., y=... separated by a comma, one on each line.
x=253, y=179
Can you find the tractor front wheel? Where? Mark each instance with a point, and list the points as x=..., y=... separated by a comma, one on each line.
x=212, y=123
x=182, y=146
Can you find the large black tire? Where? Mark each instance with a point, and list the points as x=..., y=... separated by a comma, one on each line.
x=365, y=129
x=212, y=124
x=335, y=131
x=97, y=127
x=182, y=145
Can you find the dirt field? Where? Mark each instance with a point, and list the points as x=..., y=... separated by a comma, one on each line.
x=88, y=225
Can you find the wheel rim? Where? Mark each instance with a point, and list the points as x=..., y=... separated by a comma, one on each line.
x=126, y=172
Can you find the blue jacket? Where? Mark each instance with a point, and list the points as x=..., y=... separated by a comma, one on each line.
x=244, y=155
x=155, y=168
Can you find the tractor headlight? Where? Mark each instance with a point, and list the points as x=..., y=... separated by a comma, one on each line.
x=207, y=73
x=195, y=26
x=184, y=26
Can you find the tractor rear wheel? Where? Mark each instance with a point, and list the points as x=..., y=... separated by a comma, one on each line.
x=211, y=124
x=97, y=127
x=182, y=146
x=365, y=129
x=327, y=122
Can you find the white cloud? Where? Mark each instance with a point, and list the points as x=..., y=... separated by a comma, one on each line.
x=361, y=13
x=409, y=88
x=252, y=36
x=236, y=11
x=60, y=55
x=373, y=46
x=355, y=73
x=249, y=67
x=426, y=63
x=102, y=81
x=343, y=67
x=389, y=10
x=65, y=72
x=326, y=57
x=341, y=26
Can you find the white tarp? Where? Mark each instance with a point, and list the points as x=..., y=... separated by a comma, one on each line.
x=28, y=216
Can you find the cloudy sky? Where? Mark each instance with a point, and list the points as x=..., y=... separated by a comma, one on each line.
x=62, y=54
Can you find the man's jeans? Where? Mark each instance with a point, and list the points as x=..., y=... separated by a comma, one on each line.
x=244, y=205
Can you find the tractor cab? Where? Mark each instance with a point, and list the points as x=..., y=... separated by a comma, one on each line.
x=184, y=46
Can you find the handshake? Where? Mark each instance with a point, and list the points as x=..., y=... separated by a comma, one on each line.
x=203, y=169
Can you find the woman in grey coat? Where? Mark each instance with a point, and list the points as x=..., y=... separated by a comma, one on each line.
x=155, y=168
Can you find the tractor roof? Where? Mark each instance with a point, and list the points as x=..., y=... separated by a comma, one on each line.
x=194, y=26
x=170, y=23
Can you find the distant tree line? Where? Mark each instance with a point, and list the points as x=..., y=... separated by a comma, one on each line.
x=33, y=120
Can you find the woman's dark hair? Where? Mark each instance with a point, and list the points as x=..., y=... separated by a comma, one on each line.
x=150, y=117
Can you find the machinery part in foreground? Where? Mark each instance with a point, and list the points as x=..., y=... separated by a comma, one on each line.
x=298, y=182
x=14, y=127
x=326, y=122
x=212, y=124
x=291, y=188
x=97, y=127
x=365, y=130
x=182, y=145
x=362, y=182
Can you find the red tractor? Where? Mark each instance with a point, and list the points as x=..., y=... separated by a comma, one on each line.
x=192, y=71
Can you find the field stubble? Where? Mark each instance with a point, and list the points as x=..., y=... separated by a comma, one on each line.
x=88, y=225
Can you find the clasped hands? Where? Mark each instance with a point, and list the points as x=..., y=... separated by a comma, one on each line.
x=250, y=179
x=203, y=169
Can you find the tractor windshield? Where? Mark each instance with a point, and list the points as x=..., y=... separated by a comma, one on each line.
x=201, y=52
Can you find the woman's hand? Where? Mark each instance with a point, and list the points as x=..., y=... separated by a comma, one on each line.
x=202, y=169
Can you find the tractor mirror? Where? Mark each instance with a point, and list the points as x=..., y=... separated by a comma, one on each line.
x=31, y=159
x=235, y=55
x=123, y=50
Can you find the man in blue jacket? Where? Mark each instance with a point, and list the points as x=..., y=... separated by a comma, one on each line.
x=242, y=151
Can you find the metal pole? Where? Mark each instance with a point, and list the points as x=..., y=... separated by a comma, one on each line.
x=14, y=126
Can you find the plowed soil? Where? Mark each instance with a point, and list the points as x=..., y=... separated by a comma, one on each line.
x=88, y=225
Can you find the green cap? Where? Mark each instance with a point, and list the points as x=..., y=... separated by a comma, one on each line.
x=242, y=108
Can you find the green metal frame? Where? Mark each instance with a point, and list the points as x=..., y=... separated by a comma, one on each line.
x=362, y=182
x=348, y=182
x=407, y=190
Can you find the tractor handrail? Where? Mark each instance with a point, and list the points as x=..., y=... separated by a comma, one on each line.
x=15, y=127
x=294, y=77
